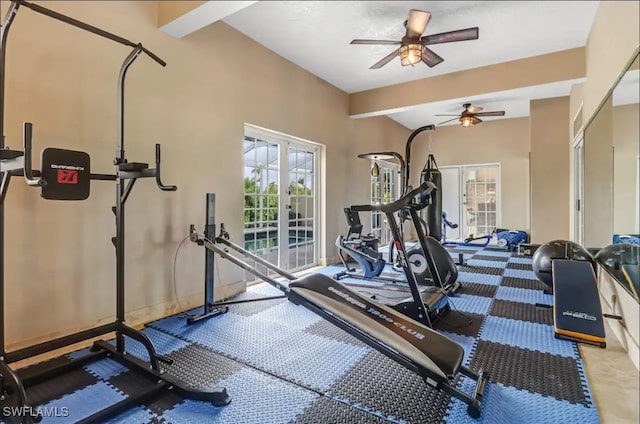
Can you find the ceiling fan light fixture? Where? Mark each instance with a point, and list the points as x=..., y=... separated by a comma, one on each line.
x=467, y=121
x=410, y=54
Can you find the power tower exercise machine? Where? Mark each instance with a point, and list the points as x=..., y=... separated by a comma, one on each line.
x=66, y=175
x=433, y=356
x=405, y=178
x=415, y=255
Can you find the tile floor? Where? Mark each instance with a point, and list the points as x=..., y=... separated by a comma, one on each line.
x=614, y=380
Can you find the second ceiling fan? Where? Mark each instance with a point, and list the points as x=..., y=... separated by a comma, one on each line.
x=413, y=46
x=469, y=115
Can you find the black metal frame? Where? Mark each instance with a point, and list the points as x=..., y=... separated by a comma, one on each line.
x=210, y=308
x=18, y=163
x=473, y=402
x=344, y=243
x=405, y=170
x=420, y=310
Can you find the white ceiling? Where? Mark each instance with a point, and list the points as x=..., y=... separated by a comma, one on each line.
x=315, y=35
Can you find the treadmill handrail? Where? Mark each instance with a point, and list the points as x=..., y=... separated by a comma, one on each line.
x=404, y=201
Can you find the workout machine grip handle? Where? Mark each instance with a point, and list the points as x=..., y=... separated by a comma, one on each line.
x=27, y=135
x=158, y=180
x=153, y=56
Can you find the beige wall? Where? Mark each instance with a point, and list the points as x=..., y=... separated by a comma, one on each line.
x=60, y=261
x=504, y=141
x=612, y=43
x=549, y=126
x=167, y=11
x=626, y=138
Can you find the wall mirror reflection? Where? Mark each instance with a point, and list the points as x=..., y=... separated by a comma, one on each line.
x=612, y=173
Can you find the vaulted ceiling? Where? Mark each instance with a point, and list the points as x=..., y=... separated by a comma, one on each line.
x=492, y=71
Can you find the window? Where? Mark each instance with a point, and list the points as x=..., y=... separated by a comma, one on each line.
x=281, y=198
x=384, y=189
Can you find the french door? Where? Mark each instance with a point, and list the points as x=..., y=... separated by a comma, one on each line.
x=471, y=199
x=384, y=189
x=281, y=199
x=578, y=190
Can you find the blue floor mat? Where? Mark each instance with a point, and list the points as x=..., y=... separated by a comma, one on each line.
x=283, y=364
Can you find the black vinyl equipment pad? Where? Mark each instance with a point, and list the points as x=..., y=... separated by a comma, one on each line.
x=422, y=345
x=577, y=310
x=67, y=174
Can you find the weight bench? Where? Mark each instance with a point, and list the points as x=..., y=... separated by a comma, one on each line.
x=577, y=313
x=433, y=356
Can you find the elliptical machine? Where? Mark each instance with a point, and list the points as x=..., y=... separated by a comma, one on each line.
x=431, y=298
x=363, y=249
x=422, y=260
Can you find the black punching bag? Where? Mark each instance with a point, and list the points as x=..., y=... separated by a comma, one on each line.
x=433, y=212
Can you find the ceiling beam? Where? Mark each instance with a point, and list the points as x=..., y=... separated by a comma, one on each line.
x=181, y=18
x=559, y=66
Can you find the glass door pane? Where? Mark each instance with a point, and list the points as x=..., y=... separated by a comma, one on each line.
x=301, y=220
x=451, y=200
x=384, y=189
x=261, y=199
x=479, y=200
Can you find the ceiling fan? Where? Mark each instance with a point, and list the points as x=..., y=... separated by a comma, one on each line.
x=469, y=115
x=413, y=46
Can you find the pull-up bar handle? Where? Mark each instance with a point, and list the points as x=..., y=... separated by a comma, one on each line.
x=27, y=135
x=158, y=180
x=90, y=28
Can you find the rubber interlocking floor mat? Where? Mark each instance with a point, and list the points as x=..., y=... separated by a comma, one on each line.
x=283, y=364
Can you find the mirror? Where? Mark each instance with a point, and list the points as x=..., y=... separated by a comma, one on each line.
x=612, y=181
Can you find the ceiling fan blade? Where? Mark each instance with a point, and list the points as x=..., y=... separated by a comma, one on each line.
x=475, y=109
x=476, y=121
x=417, y=23
x=430, y=57
x=447, y=121
x=451, y=36
x=376, y=42
x=496, y=113
x=447, y=114
x=385, y=60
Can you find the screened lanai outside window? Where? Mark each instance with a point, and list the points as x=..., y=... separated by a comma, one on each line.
x=281, y=199
x=261, y=200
